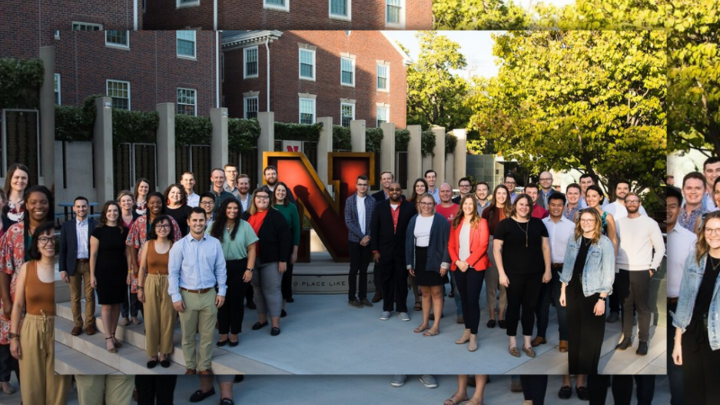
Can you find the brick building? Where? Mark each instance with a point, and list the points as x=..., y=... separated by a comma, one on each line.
x=289, y=14
x=342, y=74
x=139, y=69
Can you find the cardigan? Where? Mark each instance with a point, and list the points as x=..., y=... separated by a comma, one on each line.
x=437, y=249
x=479, y=239
x=275, y=239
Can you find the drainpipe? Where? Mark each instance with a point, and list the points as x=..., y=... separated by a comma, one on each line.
x=135, y=15
x=217, y=69
x=267, y=49
x=215, y=15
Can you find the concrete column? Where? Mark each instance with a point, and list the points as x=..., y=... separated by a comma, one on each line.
x=415, y=169
x=450, y=177
x=387, y=147
x=103, y=150
x=358, y=137
x=438, y=161
x=166, y=144
x=324, y=146
x=460, y=153
x=47, y=118
x=219, y=146
x=266, y=141
x=426, y=163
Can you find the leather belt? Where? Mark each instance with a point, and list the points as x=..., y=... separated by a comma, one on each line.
x=672, y=300
x=82, y=260
x=556, y=265
x=203, y=291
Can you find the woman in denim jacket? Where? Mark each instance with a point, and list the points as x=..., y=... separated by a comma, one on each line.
x=587, y=277
x=697, y=319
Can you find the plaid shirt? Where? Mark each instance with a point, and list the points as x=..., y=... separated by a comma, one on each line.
x=355, y=233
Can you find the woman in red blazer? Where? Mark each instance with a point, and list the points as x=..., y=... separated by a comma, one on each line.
x=468, y=244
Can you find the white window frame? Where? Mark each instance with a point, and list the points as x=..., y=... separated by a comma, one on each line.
x=344, y=104
x=177, y=100
x=270, y=6
x=314, y=108
x=86, y=24
x=401, y=23
x=314, y=64
x=57, y=88
x=377, y=115
x=387, y=77
x=347, y=17
x=352, y=61
x=245, y=105
x=129, y=90
x=177, y=48
x=191, y=3
x=257, y=61
x=117, y=45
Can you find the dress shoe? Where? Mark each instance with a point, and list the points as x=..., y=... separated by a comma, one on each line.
x=642, y=348
x=198, y=395
x=538, y=341
x=206, y=372
x=565, y=392
x=152, y=363
x=613, y=317
x=222, y=343
x=165, y=363
x=355, y=303
x=460, y=319
x=502, y=324
x=626, y=342
x=366, y=303
x=516, y=385
x=76, y=331
x=582, y=393
x=233, y=344
x=274, y=331
x=491, y=323
x=190, y=371
x=563, y=346
x=377, y=297
x=259, y=325
x=283, y=314
x=90, y=330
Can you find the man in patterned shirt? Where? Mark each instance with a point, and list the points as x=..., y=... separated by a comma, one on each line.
x=693, y=188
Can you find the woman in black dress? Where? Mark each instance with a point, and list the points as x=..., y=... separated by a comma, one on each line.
x=522, y=255
x=108, y=268
x=176, y=206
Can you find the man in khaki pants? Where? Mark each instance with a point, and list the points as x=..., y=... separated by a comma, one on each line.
x=195, y=267
x=74, y=265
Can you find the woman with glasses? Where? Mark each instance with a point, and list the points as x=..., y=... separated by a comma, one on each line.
x=522, y=254
x=697, y=330
x=419, y=188
x=499, y=209
x=273, y=253
x=290, y=212
x=152, y=292
x=587, y=278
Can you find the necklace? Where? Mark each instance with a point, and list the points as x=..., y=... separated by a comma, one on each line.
x=525, y=231
x=230, y=227
x=588, y=241
x=712, y=263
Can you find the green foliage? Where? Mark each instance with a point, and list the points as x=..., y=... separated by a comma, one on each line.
x=604, y=14
x=427, y=142
x=72, y=124
x=297, y=132
x=191, y=130
x=341, y=137
x=89, y=107
x=479, y=15
x=450, y=143
x=402, y=139
x=20, y=82
x=242, y=134
x=134, y=126
x=373, y=138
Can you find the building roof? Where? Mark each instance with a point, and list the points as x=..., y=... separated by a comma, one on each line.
x=237, y=39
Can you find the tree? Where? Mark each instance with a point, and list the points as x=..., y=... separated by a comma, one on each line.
x=603, y=14
x=479, y=15
x=589, y=100
x=435, y=93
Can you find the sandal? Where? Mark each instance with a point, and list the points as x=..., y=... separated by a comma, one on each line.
x=116, y=342
x=111, y=349
x=431, y=332
x=418, y=307
x=453, y=401
x=514, y=351
x=471, y=402
x=420, y=329
x=529, y=351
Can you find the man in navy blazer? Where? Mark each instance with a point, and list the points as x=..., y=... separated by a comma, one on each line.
x=75, y=265
x=359, y=209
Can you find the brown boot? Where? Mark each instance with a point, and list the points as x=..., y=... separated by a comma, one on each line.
x=377, y=297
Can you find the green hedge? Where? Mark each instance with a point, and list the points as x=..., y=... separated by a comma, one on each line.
x=373, y=138
x=297, y=132
x=427, y=142
x=72, y=124
x=20, y=82
x=341, y=138
x=134, y=126
x=190, y=130
x=242, y=134
x=450, y=143
x=402, y=139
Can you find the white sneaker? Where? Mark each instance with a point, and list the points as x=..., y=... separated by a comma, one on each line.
x=428, y=381
x=404, y=316
x=398, y=380
x=385, y=316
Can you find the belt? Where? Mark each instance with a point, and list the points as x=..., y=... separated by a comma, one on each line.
x=672, y=300
x=203, y=291
x=82, y=260
x=556, y=265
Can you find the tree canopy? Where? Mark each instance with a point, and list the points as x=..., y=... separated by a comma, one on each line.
x=479, y=15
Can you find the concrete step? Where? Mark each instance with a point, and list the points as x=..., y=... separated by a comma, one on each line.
x=70, y=361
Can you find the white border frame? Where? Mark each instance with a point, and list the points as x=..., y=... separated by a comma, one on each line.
x=377, y=76
x=194, y=57
x=117, y=46
x=377, y=116
x=343, y=104
x=245, y=51
x=300, y=100
x=347, y=17
x=403, y=11
x=177, y=101
x=354, y=76
x=107, y=81
x=314, y=66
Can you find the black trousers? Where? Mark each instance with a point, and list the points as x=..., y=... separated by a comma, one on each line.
x=231, y=314
x=286, y=283
x=360, y=257
x=534, y=388
x=701, y=367
x=585, y=332
x=8, y=364
x=634, y=287
x=249, y=293
x=130, y=308
x=394, y=283
x=155, y=387
x=469, y=285
x=675, y=374
x=614, y=299
x=622, y=387
x=523, y=292
x=551, y=292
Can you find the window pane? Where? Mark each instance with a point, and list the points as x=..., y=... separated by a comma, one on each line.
x=382, y=115
x=306, y=64
x=186, y=43
x=347, y=71
x=347, y=114
x=307, y=111
x=120, y=94
x=275, y=2
x=251, y=62
x=393, y=11
x=251, y=107
x=338, y=7
x=186, y=101
x=382, y=72
x=116, y=37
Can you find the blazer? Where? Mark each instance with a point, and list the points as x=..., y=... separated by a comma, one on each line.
x=541, y=200
x=275, y=238
x=383, y=238
x=380, y=196
x=351, y=217
x=437, y=255
x=68, y=244
x=479, y=239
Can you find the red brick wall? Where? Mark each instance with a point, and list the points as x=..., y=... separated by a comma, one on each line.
x=304, y=14
x=367, y=46
x=151, y=66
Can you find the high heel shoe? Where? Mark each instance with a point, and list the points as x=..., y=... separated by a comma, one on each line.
x=464, y=338
x=116, y=342
x=110, y=349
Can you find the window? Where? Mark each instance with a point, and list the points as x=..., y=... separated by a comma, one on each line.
x=57, y=89
x=83, y=26
x=347, y=71
x=250, y=55
x=347, y=114
x=307, y=64
x=119, y=91
x=340, y=9
x=186, y=101
x=251, y=107
x=186, y=43
x=382, y=115
x=187, y=3
x=283, y=5
x=395, y=13
x=117, y=39
x=307, y=111
x=57, y=34
x=383, y=77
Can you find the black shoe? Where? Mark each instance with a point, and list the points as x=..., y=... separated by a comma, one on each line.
x=491, y=323
x=274, y=331
x=613, y=317
x=251, y=305
x=626, y=342
x=259, y=325
x=355, y=303
x=501, y=323
x=227, y=401
x=165, y=363
x=565, y=392
x=239, y=378
x=233, y=344
x=582, y=393
x=152, y=363
x=290, y=300
x=283, y=314
x=221, y=343
x=198, y=395
x=642, y=348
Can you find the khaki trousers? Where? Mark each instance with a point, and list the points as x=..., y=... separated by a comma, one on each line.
x=79, y=281
x=159, y=316
x=105, y=389
x=37, y=363
x=200, y=315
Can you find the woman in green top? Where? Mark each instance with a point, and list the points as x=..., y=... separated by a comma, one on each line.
x=290, y=212
x=238, y=244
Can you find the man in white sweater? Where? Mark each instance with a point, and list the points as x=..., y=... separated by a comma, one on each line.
x=639, y=235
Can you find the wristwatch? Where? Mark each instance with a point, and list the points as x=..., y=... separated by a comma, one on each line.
x=250, y=270
x=13, y=335
x=603, y=298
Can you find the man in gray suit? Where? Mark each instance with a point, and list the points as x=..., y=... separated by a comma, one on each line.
x=546, y=181
x=75, y=267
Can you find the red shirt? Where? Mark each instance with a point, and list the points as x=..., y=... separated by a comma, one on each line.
x=539, y=212
x=449, y=212
x=395, y=212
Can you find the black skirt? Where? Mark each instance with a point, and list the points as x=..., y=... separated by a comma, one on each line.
x=426, y=277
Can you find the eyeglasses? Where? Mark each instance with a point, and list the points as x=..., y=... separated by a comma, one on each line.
x=634, y=202
x=44, y=240
x=587, y=221
x=427, y=204
x=712, y=231
x=465, y=186
x=207, y=203
x=162, y=226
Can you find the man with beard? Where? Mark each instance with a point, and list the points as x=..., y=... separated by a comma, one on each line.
x=271, y=179
x=617, y=208
x=243, y=187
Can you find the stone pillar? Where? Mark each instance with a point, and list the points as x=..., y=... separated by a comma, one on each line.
x=450, y=177
x=415, y=169
x=266, y=141
x=47, y=118
x=103, y=150
x=219, y=143
x=438, y=161
x=358, y=137
x=166, y=144
x=387, y=148
x=325, y=144
x=460, y=153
